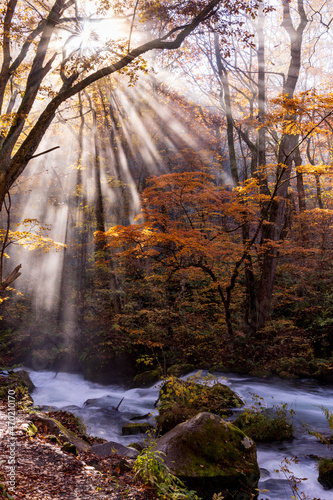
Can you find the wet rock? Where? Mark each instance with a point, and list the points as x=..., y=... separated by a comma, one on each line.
x=325, y=470
x=139, y=446
x=211, y=456
x=111, y=447
x=136, y=428
x=141, y=417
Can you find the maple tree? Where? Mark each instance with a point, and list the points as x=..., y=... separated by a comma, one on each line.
x=191, y=225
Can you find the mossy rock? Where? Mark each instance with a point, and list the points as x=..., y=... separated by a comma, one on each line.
x=147, y=379
x=180, y=400
x=180, y=369
x=325, y=469
x=69, y=447
x=265, y=426
x=18, y=381
x=63, y=434
x=211, y=456
x=53, y=439
x=136, y=428
x=70, y=421
x=139, y=446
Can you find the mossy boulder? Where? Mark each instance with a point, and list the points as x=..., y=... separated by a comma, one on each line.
x=147, y=378
x=265, y=426
x=180, y=400
x=325, y=469
x=210, y=455
x=180, y=369
x=136, y=428
x=64, y=435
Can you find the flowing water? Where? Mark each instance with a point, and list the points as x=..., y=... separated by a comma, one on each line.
x=96, y=404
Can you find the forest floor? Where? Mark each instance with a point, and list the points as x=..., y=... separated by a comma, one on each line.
x=44, y=472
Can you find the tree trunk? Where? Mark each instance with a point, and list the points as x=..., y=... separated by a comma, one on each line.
x=223, y=75
x=272, y=229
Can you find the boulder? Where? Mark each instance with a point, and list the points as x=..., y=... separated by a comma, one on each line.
x=211, y=456
x=111, y=447
x=180, y=400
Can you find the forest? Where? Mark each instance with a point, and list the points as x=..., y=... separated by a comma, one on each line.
x=165, y=188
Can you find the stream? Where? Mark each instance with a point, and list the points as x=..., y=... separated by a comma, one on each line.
x=95, y=404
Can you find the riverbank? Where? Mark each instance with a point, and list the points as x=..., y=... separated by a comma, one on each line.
x=44, y=471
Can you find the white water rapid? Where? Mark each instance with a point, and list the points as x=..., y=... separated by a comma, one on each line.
x=305, y=397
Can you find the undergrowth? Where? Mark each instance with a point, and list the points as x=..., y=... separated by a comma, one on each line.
x=150, y=466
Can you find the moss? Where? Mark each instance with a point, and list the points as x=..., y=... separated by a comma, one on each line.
x=53, y=439
x=225, y=449
x=4, y=493
x=137, y=446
